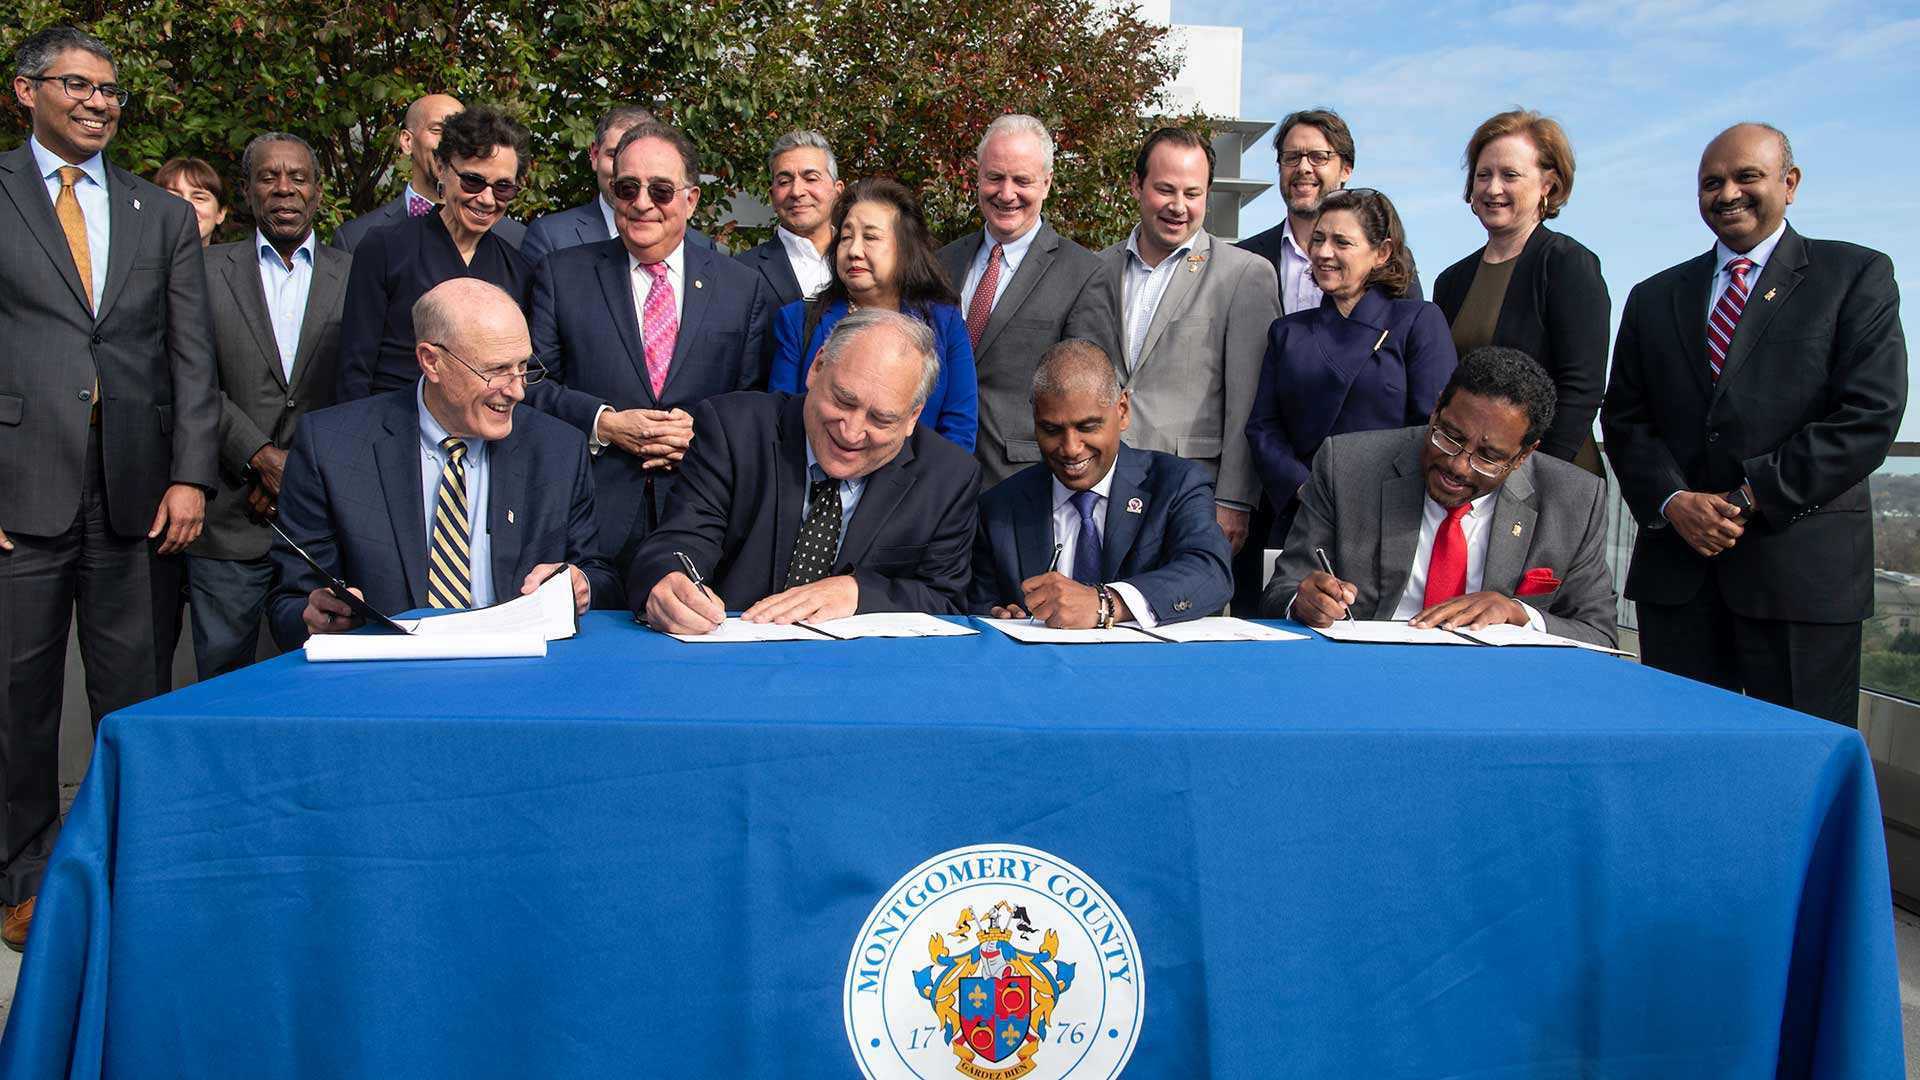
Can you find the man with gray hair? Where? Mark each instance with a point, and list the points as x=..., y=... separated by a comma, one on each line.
x=1023, y=287
x=1099, y=532
x=805, y=184
x=820, y=505
x=596, y=219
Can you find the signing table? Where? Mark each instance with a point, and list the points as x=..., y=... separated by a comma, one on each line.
x=637, y=857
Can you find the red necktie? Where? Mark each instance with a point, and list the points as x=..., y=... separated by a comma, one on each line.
x=1726, y=314
x=982, y=306
x=1447, y=569
x=659, y=326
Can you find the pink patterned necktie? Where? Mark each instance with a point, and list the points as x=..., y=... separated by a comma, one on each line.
x=981, y=309
x=1726, y=315
x=659, y=325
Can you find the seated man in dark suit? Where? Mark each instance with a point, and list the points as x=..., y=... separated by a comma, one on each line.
x=821, y=505
x=1097, y=526
x=1457, y=523
x=448, y=495
x=636, y=330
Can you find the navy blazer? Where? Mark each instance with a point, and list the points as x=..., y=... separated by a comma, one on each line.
x=770, y=261
x=586, y=333
x=1328, y=374
x=393, y=269
x=736, y=513
x=352, y=498
x=1161, y=536
x=583, y=224
x=350, y=233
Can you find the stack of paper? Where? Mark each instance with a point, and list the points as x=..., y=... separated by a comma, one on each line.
x=891, y=624
x=518, y=627
x=1038, y=633
x=1221, y=628
x=1508, y=634
x=1384, y=632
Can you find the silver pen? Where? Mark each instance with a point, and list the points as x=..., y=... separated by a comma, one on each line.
x=686, y=565
x=1327, y=565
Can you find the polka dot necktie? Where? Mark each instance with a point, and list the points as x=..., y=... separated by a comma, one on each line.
x=819, y=540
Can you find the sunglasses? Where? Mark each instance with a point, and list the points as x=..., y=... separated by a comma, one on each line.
x=661, y=192
x=473, y=184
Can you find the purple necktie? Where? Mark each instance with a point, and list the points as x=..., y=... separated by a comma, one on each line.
x=1086, y=550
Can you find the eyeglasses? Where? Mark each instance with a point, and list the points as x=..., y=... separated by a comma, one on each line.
x=80, y=89
x=1290, y=158
x=473, y=184
x=1476, y=461
x=661, y=192
x=527, y=372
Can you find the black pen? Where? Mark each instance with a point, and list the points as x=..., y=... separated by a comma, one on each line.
x=1055, y=564
x=1327, y=565
x=686, y=564
x=551, y=574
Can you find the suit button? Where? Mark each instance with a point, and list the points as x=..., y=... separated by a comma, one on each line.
x=86, y=395
x=291, y=404
x=98, y=340
x=1713, y=436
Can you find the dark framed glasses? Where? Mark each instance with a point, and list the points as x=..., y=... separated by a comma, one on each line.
x=81, y=89
x=1320, y=158
x=473, y=184
x=660, y=192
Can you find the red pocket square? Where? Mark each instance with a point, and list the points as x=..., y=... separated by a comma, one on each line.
x=1536, y=581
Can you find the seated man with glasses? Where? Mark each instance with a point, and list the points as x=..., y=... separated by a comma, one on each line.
x=639, y=329
x=447, y=494
x=1456, y=523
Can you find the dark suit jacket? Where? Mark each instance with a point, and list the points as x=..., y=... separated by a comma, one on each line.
x=1556, y=311
x=258, y=404
x=583, y=224
x=1171, y=548
x=1805, y=409
x=736, y=512
x=149, y=346
x=769, y=260
x=586, y=333
x=1323, y=376
x=352, y=499
x=1364, y=504
x=1267, y=245
x=1049, y=299
x=348, y=236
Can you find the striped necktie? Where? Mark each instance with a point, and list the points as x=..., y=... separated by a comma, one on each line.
x=1726, y=314
x=449, y=559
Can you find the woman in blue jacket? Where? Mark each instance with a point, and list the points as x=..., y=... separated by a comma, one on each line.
x=1366, y=359
x=883, y=256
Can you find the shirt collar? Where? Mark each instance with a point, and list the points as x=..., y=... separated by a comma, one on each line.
x=1133, y=250
x=418, y=194
x=1013, y=250
x=798, y=246
x=676, y=261
x=1481, y=506
x=50, y=163
x=267, y=251
x=430, y=430
x=815, y=473
x=1061, y=493
x=1287, y=241
x=1761, y=252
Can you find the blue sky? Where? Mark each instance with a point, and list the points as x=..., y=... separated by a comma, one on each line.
x=1640, y=86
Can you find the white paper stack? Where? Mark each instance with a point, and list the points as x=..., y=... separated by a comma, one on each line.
x=325, y=648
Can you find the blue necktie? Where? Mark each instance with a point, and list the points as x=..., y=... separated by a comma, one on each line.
x=1086, y=551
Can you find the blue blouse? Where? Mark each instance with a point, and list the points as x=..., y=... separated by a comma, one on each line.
x=955, y=402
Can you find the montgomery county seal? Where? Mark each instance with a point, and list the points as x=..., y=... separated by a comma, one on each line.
x=994, y=962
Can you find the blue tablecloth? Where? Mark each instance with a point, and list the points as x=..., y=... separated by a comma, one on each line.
x=644, y=858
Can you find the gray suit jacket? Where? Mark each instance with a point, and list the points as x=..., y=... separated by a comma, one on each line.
x=1364, y=503
x=1051, y=298
x=148, y=345
x=1200, y=365
x=258, y=405
x=350, y=233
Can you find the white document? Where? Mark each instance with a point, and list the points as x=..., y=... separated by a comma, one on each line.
x=735, y=630
x=1037, y=633
x=547, y=611
x=1385, y=632
x=1509, y=634
x=1221, y=628
x=891, y=624
x=326, y=648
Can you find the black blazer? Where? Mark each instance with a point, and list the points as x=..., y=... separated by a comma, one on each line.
x=736, y=512
x=1805, y=409
x=392, y=268
x=1556, y=310
x=149, y=345
x=769, y=260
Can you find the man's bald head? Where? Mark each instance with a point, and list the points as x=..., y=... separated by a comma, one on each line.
x=474, y=350
x=1747, y=181
x=1079, y=413
x=420, y=134
x=1075, y=366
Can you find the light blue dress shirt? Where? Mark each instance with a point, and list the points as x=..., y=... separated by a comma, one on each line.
x=91, y=192
x=850, y=491
x=1144, y=286
x=432, y=460
x=286, y=291
x=1010, y=257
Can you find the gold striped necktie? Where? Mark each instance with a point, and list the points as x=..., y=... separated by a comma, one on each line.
x=449, y=558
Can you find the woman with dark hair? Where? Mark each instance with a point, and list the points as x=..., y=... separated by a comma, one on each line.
x=883, y=257
x=1366, y=359
x=483, y=159
x=1531, y=288
x=196, y=181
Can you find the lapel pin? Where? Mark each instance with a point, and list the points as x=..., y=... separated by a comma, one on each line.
x=510, y=518
x=1135, y=506
x=136, y=204
x=1516, y=528
x=698, y=284
x=1770, y=293
x=1193, y=263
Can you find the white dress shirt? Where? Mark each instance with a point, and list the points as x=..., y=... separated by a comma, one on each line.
x=1297, y=290
x=91, y=193
x=1143, y=287
x=286, y=290
x=1066, y=533
x=1476, y=525
x=810, y=266
x=432, y=460
x=1010, y=255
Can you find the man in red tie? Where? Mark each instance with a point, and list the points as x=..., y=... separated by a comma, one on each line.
x=1455, y=523
x=1754, y=390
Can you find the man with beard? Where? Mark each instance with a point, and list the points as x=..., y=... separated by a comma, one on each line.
x=277, y=300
